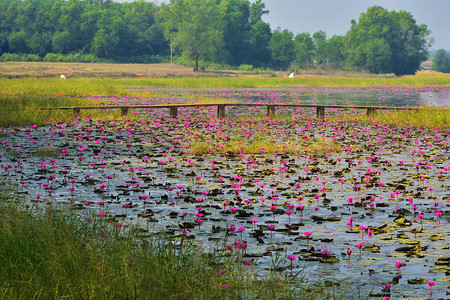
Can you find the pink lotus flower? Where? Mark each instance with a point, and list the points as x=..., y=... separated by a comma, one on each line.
x=399, y=265
x=349, y=252
x=430, y=284
x=271, y=227
x=291, y=257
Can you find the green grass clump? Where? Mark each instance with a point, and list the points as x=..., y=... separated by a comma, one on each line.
x=27, y=110
x=428, y=117
x=55, y=86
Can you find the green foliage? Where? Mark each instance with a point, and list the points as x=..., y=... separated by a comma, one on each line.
x=246, y=67
x=76, y=57
x=17, y=42
x=257, y=10
x=236, y=28
x=61, y=42
x=105, y=42
x=304, y=49
x=100, y=28
x=40, y=43
x=258, y=52
x=441, y=62
x=321, y=47
x=336, y=51
x=387, y=42
x=282, y=48
x=19, y=57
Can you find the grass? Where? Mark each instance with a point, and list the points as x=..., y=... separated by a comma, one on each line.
x=429, y=117
x=25, y=110
x=258, y=142
x=54, y=254
x=117, y=79
x=54, y=86
x=421, y=79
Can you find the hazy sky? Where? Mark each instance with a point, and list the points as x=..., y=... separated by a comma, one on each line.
x=333, y=16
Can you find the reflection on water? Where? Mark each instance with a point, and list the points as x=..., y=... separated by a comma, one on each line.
x=364, y=97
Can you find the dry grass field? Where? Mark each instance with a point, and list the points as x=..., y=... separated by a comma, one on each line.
x=163, y=70
x=70, y=70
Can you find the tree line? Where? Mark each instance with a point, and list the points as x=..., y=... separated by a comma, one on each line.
x=223, y=32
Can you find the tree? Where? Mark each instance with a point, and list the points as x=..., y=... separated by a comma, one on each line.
x=196, y=26
x=237, y=27
x=40, y=43
x=304, y=49
x=409, y=43
x=70, y=23
x=385, y=42
x=61, y=42
x=3, y=42
x=246, y=36
x=105, y=42
x=336, y=51
x=17, y=42
x=377, y=56
x=441, y=62
x=144, y=36
x=257, y=10
x=282, y=48
x=258, y=52
x=321, y=47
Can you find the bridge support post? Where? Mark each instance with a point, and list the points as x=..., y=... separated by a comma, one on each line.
x=271, y=111
x=320, y=112
x=76, y=111
x=371, y=111
x=124, y=111
x=220, y=112
x=173, y=112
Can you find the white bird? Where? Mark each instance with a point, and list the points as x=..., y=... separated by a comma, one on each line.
x=63, y=76
x=291, y=75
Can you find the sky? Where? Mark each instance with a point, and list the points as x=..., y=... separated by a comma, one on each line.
x=334, y=16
